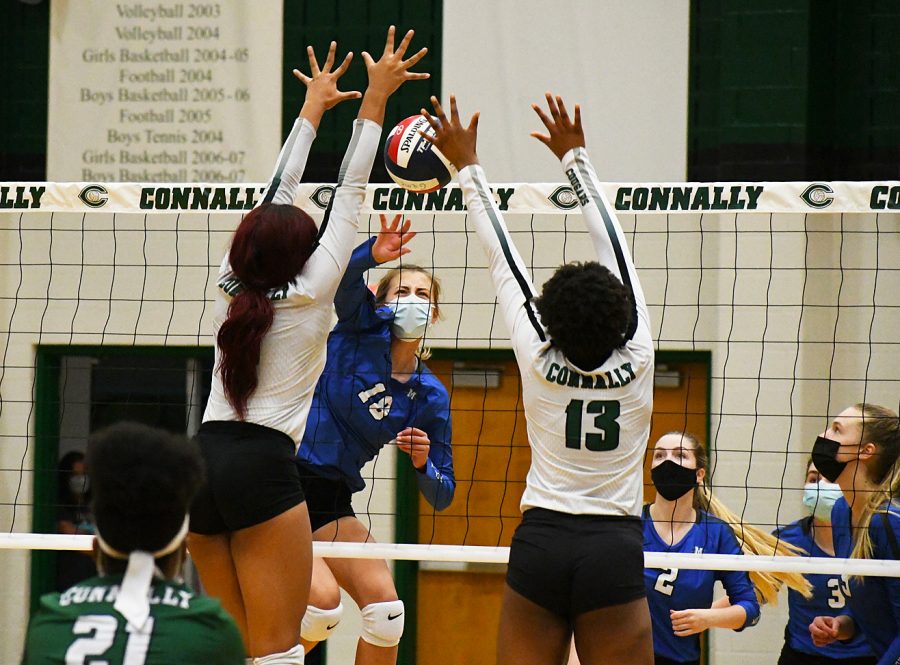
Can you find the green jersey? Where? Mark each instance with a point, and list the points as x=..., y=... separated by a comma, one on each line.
x=80, y=627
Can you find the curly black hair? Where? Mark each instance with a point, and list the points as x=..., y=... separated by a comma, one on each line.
x=143, y=480
x=587, y=311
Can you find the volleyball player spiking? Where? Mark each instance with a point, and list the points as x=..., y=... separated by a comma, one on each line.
x=375, y=390
x=585, y=356
x=250, y=532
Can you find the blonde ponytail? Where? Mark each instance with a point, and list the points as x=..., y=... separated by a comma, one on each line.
x=752, y=540
x=880, y=426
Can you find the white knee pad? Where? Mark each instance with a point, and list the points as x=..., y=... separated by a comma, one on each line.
x=318, y=624
x=383, y=623
x=291, y=657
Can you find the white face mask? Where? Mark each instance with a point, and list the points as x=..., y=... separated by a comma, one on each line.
x=820, y=497
x=411, y=316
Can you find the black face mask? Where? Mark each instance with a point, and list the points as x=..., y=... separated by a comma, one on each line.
x=672, y=480
x=823, y=456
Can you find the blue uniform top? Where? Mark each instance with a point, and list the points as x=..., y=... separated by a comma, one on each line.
x=875, y=602
x=358, y=407
x=829, y=599
x=679, y=589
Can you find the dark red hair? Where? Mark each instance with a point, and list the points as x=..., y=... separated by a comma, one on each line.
x=269, y=249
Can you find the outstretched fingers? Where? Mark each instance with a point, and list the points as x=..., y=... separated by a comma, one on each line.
x=454, y=111
x=385, y=227
x=473, y=123
x=340, y=71
x=313, y=63
x=548, y=123
x=563, y=112
x=415, y=57
x=329, y=60
x=306, y=80
x=389, y=42
x=551, y=104
x=404, y=43
x=543, y=138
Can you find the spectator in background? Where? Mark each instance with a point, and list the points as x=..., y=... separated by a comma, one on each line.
x=73, y=516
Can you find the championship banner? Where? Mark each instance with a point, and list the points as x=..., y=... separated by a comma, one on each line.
x=533, y=198
x=164, y=91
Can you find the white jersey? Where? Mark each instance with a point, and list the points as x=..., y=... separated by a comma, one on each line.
x=587, y=430
x=293, y=351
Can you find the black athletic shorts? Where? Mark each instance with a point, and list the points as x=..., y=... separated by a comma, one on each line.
x=251, y=476
x=572, y=564
x=662, y=660
x=327, y=499
x=790, y=656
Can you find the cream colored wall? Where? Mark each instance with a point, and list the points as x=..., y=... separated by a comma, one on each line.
x=759, y=445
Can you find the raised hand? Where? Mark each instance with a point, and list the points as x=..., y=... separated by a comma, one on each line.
x=391, y=241
x=564, y=134
x=456, y=143
x=387, y=74
x=321, y=88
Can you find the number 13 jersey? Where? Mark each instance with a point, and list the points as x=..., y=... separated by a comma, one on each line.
x=587, y=429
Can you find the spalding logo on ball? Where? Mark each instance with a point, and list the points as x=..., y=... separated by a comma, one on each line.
x=412, y=162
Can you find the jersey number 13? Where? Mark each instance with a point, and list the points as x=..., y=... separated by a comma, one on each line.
x=602, y=429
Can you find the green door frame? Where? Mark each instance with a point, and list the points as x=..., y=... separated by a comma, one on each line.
x=406, y=525
x=48, y=362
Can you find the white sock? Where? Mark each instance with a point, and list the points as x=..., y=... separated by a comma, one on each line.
x=293, y=656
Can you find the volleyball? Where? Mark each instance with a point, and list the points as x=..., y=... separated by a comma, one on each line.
x=412, y=161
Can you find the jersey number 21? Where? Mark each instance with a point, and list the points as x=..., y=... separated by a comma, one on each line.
x=603, y=430
x=100, y=631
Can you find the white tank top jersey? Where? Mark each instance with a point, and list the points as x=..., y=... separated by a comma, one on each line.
x=587, y=430
x=293, y=351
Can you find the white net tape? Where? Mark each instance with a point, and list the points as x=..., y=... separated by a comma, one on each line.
x=791, y=288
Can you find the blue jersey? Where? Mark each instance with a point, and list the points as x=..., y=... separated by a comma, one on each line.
x=358, y=407
x=876, y=600
x=829, y=599
x=679, y=589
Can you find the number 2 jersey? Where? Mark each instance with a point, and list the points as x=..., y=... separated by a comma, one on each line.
x=80, y=626
x=587, y=428
x=682, y=589
x=829, y=599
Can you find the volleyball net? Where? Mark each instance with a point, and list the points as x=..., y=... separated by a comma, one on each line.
x=774, y=306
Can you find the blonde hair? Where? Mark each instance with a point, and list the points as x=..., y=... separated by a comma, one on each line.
x=751, y=539
x=384, y=284
x=880, y=426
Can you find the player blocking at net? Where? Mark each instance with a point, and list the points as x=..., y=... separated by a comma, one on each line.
x=585, y=357
x=250, y=531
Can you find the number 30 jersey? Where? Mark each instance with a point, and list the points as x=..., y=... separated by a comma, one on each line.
x=80, y=626
x=830, y=598
x=587, y=429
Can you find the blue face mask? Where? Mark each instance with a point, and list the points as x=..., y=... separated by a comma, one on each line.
x=820, y=497
x=411, y=316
